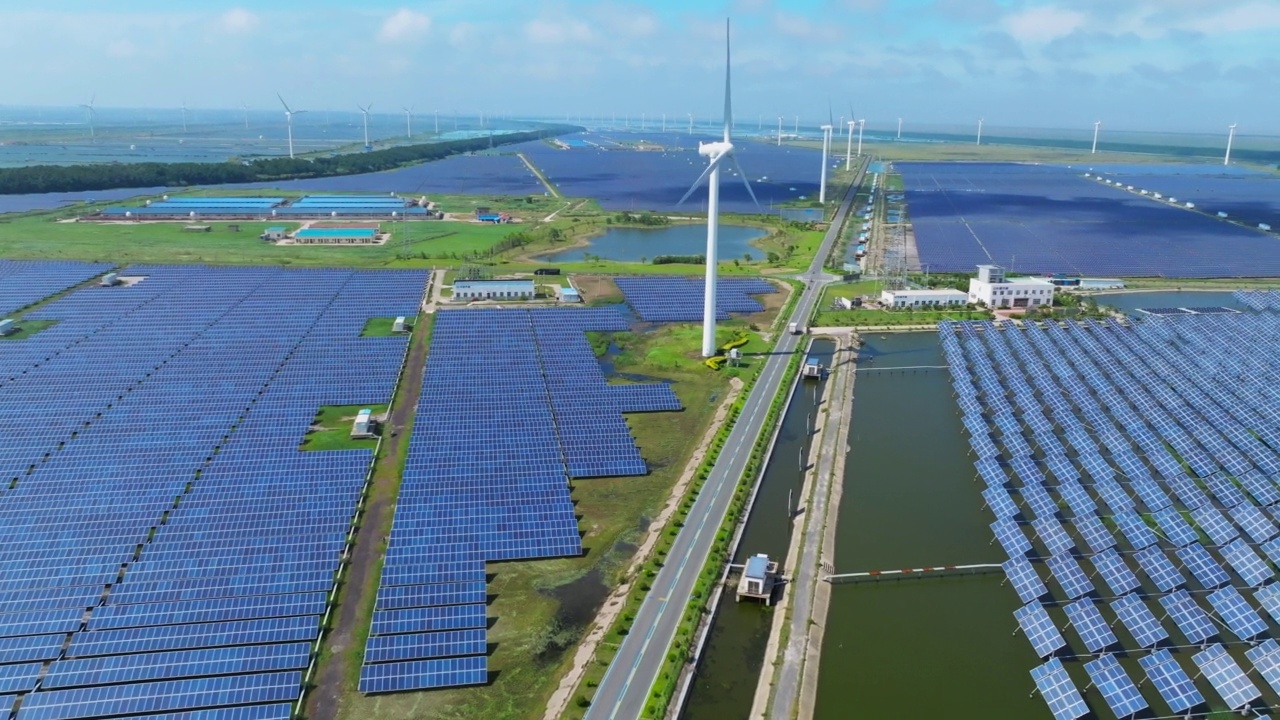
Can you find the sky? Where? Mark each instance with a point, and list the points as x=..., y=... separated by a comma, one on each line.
x=1161, y=65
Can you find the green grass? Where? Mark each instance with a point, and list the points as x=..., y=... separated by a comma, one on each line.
x=864, y=317
x=335, y=422
x=849, y=290
x=27, y=328
x=381, y=327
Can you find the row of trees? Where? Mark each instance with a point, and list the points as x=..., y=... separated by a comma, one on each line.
x=72, y=178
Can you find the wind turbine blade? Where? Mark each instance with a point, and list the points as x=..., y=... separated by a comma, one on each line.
x=745, y=181
x=285, y=104
x=728, y=102
x=710, y=166
x=831, y=118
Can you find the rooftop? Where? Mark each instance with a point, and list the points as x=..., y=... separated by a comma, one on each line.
x=757, y=567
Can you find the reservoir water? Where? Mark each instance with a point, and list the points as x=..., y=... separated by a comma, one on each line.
x=725, y=682
x=1129, y=302
x=917, y=648
x=632, y=244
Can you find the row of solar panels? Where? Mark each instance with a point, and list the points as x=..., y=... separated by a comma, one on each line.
x=680, y=299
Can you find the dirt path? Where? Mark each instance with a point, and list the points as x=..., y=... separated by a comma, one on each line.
x=538, y=173
x=617, y=599
x=359, y=584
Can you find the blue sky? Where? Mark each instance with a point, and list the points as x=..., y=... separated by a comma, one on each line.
x=1176, y=65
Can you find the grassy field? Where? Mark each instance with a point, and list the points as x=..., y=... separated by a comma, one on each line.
x=332, y=428
x=544, y=607
x=27, y=328
x=381, y=327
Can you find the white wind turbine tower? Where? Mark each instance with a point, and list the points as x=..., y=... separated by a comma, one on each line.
x=455, y=121
x=1231, y=135
x=288, y=119
x=1096, y=125
x=408, y=122
x=184, y=117
x=779, y=131
x=848, y=147
x=690, y=123
x=717, y=153
x=364, y=110
x=980, y=121
x=826, y=151
x=93, y=114
x=861, y=125
x=899, y=128
x=245, y=107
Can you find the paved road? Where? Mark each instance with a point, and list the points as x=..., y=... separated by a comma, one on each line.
x=625, y=688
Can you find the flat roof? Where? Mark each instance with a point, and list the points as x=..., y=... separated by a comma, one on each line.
x=757, y=567
x=491, y=284
x=335, y=233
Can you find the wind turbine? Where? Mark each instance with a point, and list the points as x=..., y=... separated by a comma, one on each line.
x=717, y=153
x=980, y=121
x=1096, y=125
x=826, y=150
x=796, y=132
x=184, y=117
x=848, y=147
x=1231, y=135
x=779, y=131
x=408, y=122
x=899, y=128
x=92, y=114
x=861, y=124
x=245, y=106
x=437, y=115
x=690, y=123
x=288, y=119
x=364, y=110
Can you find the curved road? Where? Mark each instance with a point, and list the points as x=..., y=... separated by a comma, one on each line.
x=626, y=684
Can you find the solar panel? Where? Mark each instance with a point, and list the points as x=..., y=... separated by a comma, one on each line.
x=1187, y=615
x=1225, y=675
x=1115, y=572
x=1217, y=527
x=1000, y=503
x=1050, y=532
x=1119, y=692
x=1202, y=566
x=1070, y=577
x=1134, y=530
x=1175, y=527
x=1039, y=629
x=1171, y=681
x=1089, y=625
x=1024, y=579
x=1164, y=575
x=1246, y=563
x=1095, y=534
x=1252, y=520
x=1266, y=660
x=1268, y=597
x=1236, y=613
x=1138, y=620
x=1011, y=537
x=424, y=674
x=1061, y=695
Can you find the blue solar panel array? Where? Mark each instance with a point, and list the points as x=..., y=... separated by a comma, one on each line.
x=349, y=206
x=1162, y=434
x=25, y=282
x=513, y=406
x=680, y=299
x=168, y=547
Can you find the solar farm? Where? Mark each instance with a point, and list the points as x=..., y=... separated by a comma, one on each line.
x=1251, y=199
x=169, y=548
x=1132, y=475
x=495, y=485
x=680, y=299
x=1046, y=219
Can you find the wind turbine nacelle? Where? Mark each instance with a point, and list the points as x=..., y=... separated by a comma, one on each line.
x=714, y=149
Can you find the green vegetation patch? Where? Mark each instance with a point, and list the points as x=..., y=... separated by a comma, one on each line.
x=381, y=327
x=331, y=430
x=27, y=328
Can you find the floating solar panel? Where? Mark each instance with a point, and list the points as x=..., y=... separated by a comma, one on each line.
x=1246, y=563
x=1119, y=692
x=1114, y=571
x=1138, y=620
x=1228, y=494
x=1024, y=579
x=1077, y=498
x=1171, y=681
x=1217, y=527
x=1236, y=613
x=1164, y=575
x=1266, y=660
x=1089, y=625
x=1059, y=693
x=1254, y=523
x=1269, y=598
x=1070, y=577
x=1175, y=527
x=1050, y=532
x=1272, y=549
x=1189, y=617
x=1235, y=688
x=1095, y=534
x=1011, y=537
x=1039, y=629
x=1042, y=506
x=1134, y=530
x=1202, y=566
x=1000, y=503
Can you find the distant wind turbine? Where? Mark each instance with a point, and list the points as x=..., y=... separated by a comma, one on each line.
x=184, y=117
x=717, y=153
x=899, y=128
x=779, y=131
x=797, y=128
x=288, y=119
x=93, y=114
x=408, y=122
x=690, y=123
x=826, y=150
x=980, y=121
x=1096, y=125
x=848, y=147
x=437, y=115
x=1231, y=135
x=364, y=110
x=861, y=124
x=245, y=107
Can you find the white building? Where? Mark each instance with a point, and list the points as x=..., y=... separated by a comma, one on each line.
x=994, y=290
x=922, y=298
x=493, y=290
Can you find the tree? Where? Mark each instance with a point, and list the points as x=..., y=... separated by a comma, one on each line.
x=746, y=257
x=773, y=257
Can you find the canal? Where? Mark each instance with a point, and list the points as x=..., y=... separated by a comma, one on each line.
x=916, y=648
x=725, y=682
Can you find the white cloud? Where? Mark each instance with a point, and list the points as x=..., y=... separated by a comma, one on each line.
x=404, y=24
x=1252, y=17
x=238, y=20
x=556, y=32
x=462, y=33
x=802, y=28
x=1042, y=24
x=121, y=49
